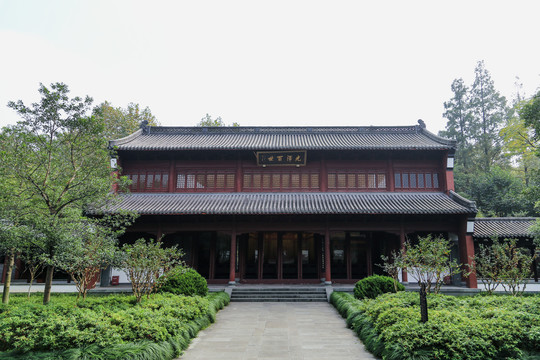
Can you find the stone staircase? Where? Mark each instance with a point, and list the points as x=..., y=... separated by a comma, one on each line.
x=281, y=294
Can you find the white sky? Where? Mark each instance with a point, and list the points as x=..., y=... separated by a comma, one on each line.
x=273, y=62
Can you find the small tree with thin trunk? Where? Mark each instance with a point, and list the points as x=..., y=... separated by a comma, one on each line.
x=144, y=262
x=392, y=265
x=92, y=247
x=429, y=261
x=503, y=263
x=32, y=258
x=12, y=236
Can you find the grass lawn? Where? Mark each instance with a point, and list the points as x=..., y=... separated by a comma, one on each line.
x=103, y=326
x=479, y=327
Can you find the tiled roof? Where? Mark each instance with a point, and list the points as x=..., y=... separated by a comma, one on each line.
x=291, y=203
x=503, y=227
x=283, y=138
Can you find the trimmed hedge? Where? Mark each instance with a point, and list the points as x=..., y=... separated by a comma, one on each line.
x=184, y=281
x=497, y=327
x=105, y=327
x=375, y=285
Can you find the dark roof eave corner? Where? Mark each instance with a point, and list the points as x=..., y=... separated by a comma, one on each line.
x=452, y=144
x=125, y=140
x=469, y=204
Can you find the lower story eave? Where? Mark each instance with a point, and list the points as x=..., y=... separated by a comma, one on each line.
x=331, y=203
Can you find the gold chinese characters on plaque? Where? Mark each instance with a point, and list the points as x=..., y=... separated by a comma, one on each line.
x=291, y=158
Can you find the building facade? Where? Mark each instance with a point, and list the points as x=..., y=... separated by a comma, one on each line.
x=291, y=204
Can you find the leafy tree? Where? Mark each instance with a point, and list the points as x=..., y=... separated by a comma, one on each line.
x=145, y=262
x=429, y=261
x=57, y=155
x=207, y=121
x=489, y=112
x=11, y=236
x=120, y=122
x=392, y=265
x=519, y=143
x=503, y=263
x=459, y=125
x=530, y=113
x=499, y=192
x=32, y=257
x=93, y=247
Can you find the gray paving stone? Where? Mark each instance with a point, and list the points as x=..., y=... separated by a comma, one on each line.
x=298, y=331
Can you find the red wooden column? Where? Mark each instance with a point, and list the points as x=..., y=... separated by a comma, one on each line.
x=466, y=251
x=404, y=277
x=232, y=269
x=328, y=270
x=172, y=168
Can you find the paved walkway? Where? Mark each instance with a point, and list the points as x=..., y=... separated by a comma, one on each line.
x=277, y=331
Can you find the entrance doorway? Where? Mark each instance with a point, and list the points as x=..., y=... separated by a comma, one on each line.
x=280, y=256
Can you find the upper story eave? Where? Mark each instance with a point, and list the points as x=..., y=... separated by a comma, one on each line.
x=164, y=138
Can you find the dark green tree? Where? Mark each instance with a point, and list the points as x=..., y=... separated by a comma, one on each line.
x=120, y=122
x=57, y=155
x=500, y=192
x=459, y=125
x=489, y=113
x=530, y=113
x=207, y=121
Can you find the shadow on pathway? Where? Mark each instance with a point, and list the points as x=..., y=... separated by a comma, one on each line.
x=276, y=330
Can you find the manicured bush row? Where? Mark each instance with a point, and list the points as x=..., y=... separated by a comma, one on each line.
x=160, y=328
x=495, y=327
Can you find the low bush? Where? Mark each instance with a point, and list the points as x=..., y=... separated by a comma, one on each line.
x=184, y=281
x=375, y=285
x=501, y=327
x=105, y=327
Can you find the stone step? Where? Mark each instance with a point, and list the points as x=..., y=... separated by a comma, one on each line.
x=307, y=290
x=278, y=292
x=257, y=299
x=281, y=294
x=286, y=296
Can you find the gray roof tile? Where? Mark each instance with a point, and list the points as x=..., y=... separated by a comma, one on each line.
x=283, y=138
x=503, y=227
x=290, y=203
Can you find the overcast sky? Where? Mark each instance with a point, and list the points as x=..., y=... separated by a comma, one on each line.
x=260, y=63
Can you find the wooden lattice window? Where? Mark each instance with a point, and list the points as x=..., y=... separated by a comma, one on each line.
x=148, y=180
x=283, y=180
x=416, y=179
x=204, y=180
x=350, y=179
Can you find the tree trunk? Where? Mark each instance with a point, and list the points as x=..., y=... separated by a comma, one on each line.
x=10, y=261
x=423, y=303
x=48, y=285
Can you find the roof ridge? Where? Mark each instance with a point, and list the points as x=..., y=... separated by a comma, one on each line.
x=279, y=129
x=507, y=218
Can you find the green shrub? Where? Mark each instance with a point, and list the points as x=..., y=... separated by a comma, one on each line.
x=104, y=327
x=184, y=281
x=375, y=285
x=499, y=327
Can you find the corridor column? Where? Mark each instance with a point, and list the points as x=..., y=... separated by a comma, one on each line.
x=232, y=269
x=327, y=272
x=466, y=249
x=404, y=277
